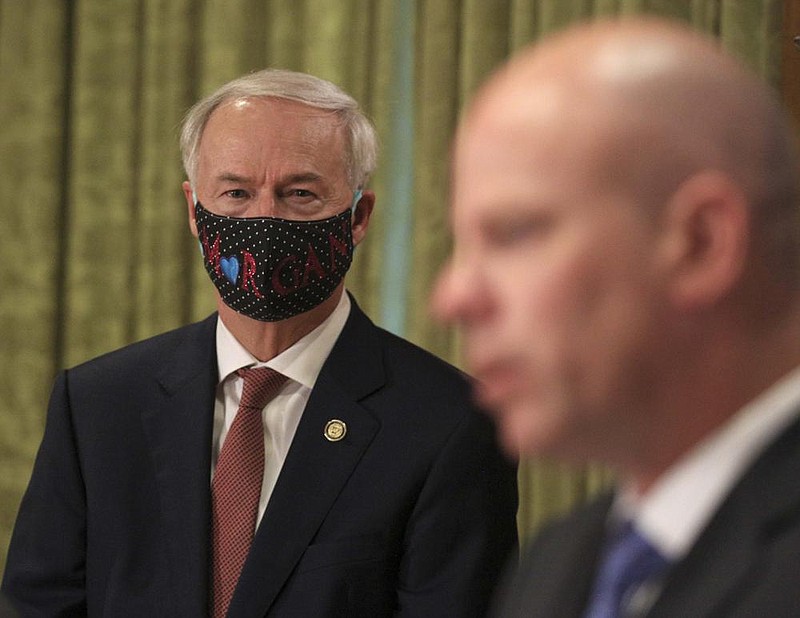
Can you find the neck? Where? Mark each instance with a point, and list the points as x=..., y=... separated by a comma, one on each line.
x=733, y=369
x=265, y=340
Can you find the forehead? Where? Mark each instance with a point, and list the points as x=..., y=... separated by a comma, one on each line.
x=265, y=131
x=272, y=112
x=521, y=145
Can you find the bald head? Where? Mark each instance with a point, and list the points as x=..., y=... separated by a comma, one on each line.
x=654, y=103
x=624, y=213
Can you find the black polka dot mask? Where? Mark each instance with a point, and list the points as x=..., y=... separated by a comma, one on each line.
x=271, y=269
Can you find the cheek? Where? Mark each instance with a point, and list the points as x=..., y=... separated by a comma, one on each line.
x=538, y=422
x=581, y=316
x=547, y=316
x=612, y=320
x=551, y=304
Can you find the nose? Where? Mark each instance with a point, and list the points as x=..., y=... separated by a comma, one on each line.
x=265, y=205
x=460, y=295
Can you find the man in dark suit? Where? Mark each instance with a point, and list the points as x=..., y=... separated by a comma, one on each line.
x=365, y=483
x=626, y=269
x=6, y=611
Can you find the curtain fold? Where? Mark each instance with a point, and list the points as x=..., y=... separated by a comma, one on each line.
x=33, y=43
x=95, y=250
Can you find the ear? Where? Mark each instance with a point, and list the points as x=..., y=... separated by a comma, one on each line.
x=361, y=216
x=189, y=195
x=707, y=233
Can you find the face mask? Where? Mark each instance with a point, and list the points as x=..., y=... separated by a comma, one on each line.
x=271, y=269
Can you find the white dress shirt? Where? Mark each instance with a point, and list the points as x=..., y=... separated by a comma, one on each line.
x=301, y=363
x=677, y=508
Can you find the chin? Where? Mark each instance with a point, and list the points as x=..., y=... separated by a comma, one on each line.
x=525, y=432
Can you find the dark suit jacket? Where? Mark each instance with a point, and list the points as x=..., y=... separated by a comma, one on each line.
x=411, y=514
x=6, y=611
x=745, y=564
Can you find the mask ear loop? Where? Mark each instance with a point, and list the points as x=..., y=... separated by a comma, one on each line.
x=199, y=243
x=356, y=199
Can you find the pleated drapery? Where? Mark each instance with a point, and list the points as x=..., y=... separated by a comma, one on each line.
x=95, y=250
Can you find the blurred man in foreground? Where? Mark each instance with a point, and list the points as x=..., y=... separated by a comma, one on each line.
x=626, y=270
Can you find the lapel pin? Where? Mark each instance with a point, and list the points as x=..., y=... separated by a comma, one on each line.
x=335, y=430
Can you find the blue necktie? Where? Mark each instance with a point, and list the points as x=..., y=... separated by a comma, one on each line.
x=628, y=564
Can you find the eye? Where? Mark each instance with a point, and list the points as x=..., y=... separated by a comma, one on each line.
x=236, y=194
x=301, y=193
x=299, y=197
x=515, y=230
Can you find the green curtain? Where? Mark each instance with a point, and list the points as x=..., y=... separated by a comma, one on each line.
x=94, y=245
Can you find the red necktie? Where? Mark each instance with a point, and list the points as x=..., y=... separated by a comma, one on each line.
x=236, y=488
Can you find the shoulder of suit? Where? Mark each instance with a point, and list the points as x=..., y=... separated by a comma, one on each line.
x=153, y=349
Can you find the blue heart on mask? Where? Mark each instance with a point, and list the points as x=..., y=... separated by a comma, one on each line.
x=230, y=268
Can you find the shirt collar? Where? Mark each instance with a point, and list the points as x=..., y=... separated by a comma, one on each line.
x=674, y=512
x=300, y=362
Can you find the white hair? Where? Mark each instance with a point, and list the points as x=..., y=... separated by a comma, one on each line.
x=362, y=142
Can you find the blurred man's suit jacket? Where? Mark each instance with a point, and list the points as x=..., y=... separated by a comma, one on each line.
x=745, y=564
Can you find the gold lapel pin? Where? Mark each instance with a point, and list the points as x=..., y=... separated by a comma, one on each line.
x=335, y=430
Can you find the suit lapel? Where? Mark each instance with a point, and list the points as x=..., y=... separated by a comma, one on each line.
x=178, y=427
x=556, y=578
x=315, y=469
x=727, y=554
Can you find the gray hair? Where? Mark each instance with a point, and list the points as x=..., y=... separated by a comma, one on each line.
x=362, y=141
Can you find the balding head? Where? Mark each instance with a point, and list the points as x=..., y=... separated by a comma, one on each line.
x=655, y=103
x=624, y=210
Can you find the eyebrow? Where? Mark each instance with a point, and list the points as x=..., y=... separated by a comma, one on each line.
x=231, y=177
x=305, y=177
